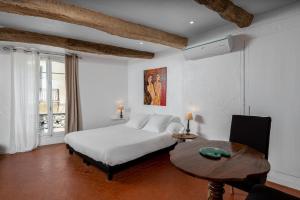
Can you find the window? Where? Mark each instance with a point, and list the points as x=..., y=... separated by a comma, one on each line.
x=52, y=95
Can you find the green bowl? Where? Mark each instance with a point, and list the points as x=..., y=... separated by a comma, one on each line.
x=213, y=152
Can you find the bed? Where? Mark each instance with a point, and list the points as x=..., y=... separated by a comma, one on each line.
x=116, y=147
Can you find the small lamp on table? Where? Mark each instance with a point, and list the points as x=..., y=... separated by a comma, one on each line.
x=188, y=117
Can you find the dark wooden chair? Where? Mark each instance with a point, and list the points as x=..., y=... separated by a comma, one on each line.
x=253, y=131
x=261, y=192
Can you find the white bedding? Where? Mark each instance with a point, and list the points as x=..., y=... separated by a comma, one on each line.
x=117, y=144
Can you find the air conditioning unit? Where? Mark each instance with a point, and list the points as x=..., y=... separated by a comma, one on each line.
x=214, y=48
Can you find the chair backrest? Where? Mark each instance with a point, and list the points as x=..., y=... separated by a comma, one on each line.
x=253, y=131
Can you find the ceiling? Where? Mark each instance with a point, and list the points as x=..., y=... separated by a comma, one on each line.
x=168, y=15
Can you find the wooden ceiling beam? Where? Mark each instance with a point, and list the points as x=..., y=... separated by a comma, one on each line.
x=229, y=11
x=57, y=10
x=13, y=35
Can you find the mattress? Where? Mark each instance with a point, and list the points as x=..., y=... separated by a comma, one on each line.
x=118, y=144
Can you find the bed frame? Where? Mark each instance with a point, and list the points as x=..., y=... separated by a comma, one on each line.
x=111, y=170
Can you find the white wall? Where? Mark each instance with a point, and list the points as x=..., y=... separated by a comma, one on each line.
x=174, y=84
x=213, y=92
x=214, y=87
x=272, y=87
x=5, y=80
x=199, y=86
x=102, y=82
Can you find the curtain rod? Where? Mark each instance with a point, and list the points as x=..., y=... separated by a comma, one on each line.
x=7, y=48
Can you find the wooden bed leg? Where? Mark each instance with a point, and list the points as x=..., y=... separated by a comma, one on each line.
x=86, y=162
x=109, y=176
x=70, y=150
x=109, y=173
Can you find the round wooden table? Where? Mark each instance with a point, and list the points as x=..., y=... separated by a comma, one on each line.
x=244, y=162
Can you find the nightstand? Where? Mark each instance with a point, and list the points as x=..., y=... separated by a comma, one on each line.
x=182, y=137
x=117, y=120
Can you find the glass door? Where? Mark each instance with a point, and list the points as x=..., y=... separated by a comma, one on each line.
x=52, y=95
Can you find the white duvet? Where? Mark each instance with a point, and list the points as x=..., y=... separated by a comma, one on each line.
x=117, y=144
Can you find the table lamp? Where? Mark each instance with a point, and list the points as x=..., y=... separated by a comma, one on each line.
x=121, y=108
x=188, y=117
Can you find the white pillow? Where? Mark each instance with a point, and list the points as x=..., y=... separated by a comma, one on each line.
x=138, y=121
x=158, y=123
x=175, y=127
x=175, y=119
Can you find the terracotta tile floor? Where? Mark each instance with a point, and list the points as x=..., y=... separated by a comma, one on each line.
x=51, y=173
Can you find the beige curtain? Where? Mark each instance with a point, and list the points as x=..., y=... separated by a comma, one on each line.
x=73, y=113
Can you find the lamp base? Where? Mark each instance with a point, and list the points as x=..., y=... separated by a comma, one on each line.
x=121, y=114
x=188, y=127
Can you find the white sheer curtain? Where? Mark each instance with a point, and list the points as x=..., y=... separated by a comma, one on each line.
x=24, y=101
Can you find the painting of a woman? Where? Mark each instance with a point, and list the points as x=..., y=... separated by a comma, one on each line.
x=155, y=86
x=150, y=89
x=157, y=89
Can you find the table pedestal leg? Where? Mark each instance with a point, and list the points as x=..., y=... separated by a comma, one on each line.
x=215, y=191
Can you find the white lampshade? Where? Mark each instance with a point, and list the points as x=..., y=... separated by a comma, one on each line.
x=189, y=116
x=120, y=107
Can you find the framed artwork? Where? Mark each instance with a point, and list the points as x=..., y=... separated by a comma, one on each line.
x=155, y=86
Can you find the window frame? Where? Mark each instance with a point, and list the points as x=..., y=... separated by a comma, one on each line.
x=49, y=59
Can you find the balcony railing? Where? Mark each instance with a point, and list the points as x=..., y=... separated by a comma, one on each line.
x=58, y=122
